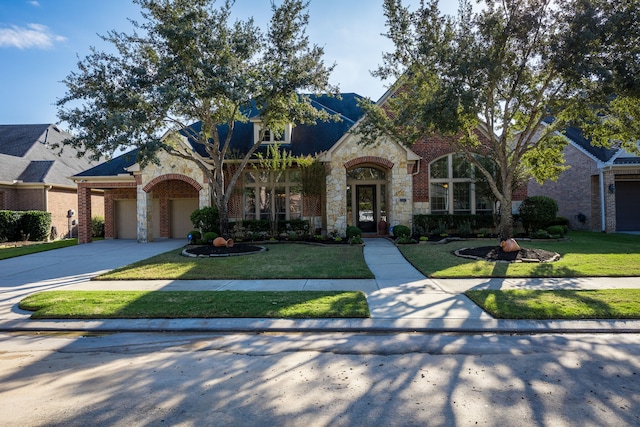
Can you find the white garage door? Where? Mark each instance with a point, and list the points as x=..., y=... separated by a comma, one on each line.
x=180, y=216
x=125, y=220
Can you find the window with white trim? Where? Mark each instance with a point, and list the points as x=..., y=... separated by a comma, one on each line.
x=265, y=191
x=453, y=189
x=271, y=137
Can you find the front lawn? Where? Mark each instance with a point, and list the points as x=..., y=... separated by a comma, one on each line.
x=280, y=261
x=194, y=304
x=559, y=304
x=10, y=250
x=584, y=254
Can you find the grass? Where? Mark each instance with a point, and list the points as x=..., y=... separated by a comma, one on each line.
x=584, y=254
x=559, y=304
x=280, y=261
x=195, y=304
x=8, y=250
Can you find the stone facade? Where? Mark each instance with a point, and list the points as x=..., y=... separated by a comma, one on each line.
x=386, y=155
x=155, y=178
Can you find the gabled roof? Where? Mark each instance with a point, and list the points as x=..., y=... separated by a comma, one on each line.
x=602, y=154
x=305, y=139
x=27, y=155
x=114, y=167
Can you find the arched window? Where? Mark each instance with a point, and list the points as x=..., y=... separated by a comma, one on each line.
x=453, y=189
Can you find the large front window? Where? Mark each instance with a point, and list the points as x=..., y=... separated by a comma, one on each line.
x=453, y=189
x=267, y=192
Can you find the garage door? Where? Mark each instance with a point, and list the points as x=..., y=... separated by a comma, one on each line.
x=628, y=205
x=180, y=214
x=126, y=221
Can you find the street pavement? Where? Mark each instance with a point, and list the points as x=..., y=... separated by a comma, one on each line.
x=400, y=298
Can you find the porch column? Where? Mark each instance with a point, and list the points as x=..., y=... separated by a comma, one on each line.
x=85, y=231
x=609, y=201
x=144, y=215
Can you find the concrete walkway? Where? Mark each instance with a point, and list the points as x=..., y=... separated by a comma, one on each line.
x=400, y=298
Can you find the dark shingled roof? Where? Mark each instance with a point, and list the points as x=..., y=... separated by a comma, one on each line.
x=575, y=134
x=305, y=139
x=113, y=167
x=27, y=154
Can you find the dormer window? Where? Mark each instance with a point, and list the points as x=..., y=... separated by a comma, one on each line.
x=270, y=137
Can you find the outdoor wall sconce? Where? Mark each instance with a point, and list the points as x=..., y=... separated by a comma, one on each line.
x=612, y=188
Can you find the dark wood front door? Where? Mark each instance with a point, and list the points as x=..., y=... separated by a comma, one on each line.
x=366, y=208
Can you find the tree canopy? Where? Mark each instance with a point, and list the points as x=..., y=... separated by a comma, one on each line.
x=505, y=69
x=186, y=62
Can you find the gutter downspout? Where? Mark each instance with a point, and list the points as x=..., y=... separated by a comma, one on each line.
x=602, y=209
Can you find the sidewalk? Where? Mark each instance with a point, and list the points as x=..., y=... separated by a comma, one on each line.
x=400, y=298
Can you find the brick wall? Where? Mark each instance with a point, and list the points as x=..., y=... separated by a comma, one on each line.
x=31, y=199
x=577, y=190
x=60, y=201
x=432, y=148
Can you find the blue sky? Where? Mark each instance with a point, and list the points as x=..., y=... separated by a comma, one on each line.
x=41, y=40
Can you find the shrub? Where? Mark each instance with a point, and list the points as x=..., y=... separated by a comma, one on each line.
x=537, y=211
x=355, y=240
x=401, y=231
x=559, y=220
x=9, y=225
x=353, y=231
x=465, y=228
x=35, y=225
x=195, y=236
x=97, y=226
x=540, y=234
x=206, y=219
x=556, y=230
x=209, y=236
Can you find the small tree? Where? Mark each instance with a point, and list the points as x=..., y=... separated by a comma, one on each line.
x=275, y=162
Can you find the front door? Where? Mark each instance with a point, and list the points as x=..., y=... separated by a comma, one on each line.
x=366, y=208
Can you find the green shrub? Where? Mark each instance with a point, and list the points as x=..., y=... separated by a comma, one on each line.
x=209, y=236
x=206, y=219
x=353, y=231
x=426, y=223
x=540, y=234
x=97, y=226
x=537, y=211
x=401, y=231
x=9, y=225
x=556, y=230
x=35, y=225
x=559, y=220
x=195, y=236
x=355, y=240
x=465, y=228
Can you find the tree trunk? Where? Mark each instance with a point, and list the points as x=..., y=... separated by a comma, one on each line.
x=505, y=226
x=223, y=214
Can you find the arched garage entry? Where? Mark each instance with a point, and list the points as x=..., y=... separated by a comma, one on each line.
x=174, y=198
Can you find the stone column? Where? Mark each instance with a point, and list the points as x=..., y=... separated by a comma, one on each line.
x=609, y=201
x=144, y=216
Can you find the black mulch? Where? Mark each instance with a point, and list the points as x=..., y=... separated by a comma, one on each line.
x=210, y=250
x=495, y=253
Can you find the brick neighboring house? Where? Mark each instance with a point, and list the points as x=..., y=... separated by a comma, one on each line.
x=601, y=189
x=363, y=185
x=33, y=176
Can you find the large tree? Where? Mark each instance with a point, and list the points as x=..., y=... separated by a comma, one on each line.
x=506, y=69
x=187, y=63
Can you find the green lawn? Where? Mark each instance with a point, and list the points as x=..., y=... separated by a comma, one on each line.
x=9, y=251
x=584, y=254
x=195, y=304
x=280, y=261
x=559, y=304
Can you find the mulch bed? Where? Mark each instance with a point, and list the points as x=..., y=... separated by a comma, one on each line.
x=213, y=251
x=495, y=253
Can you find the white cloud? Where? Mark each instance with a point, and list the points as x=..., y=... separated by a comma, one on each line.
x=32, y=36
x=34, y=3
